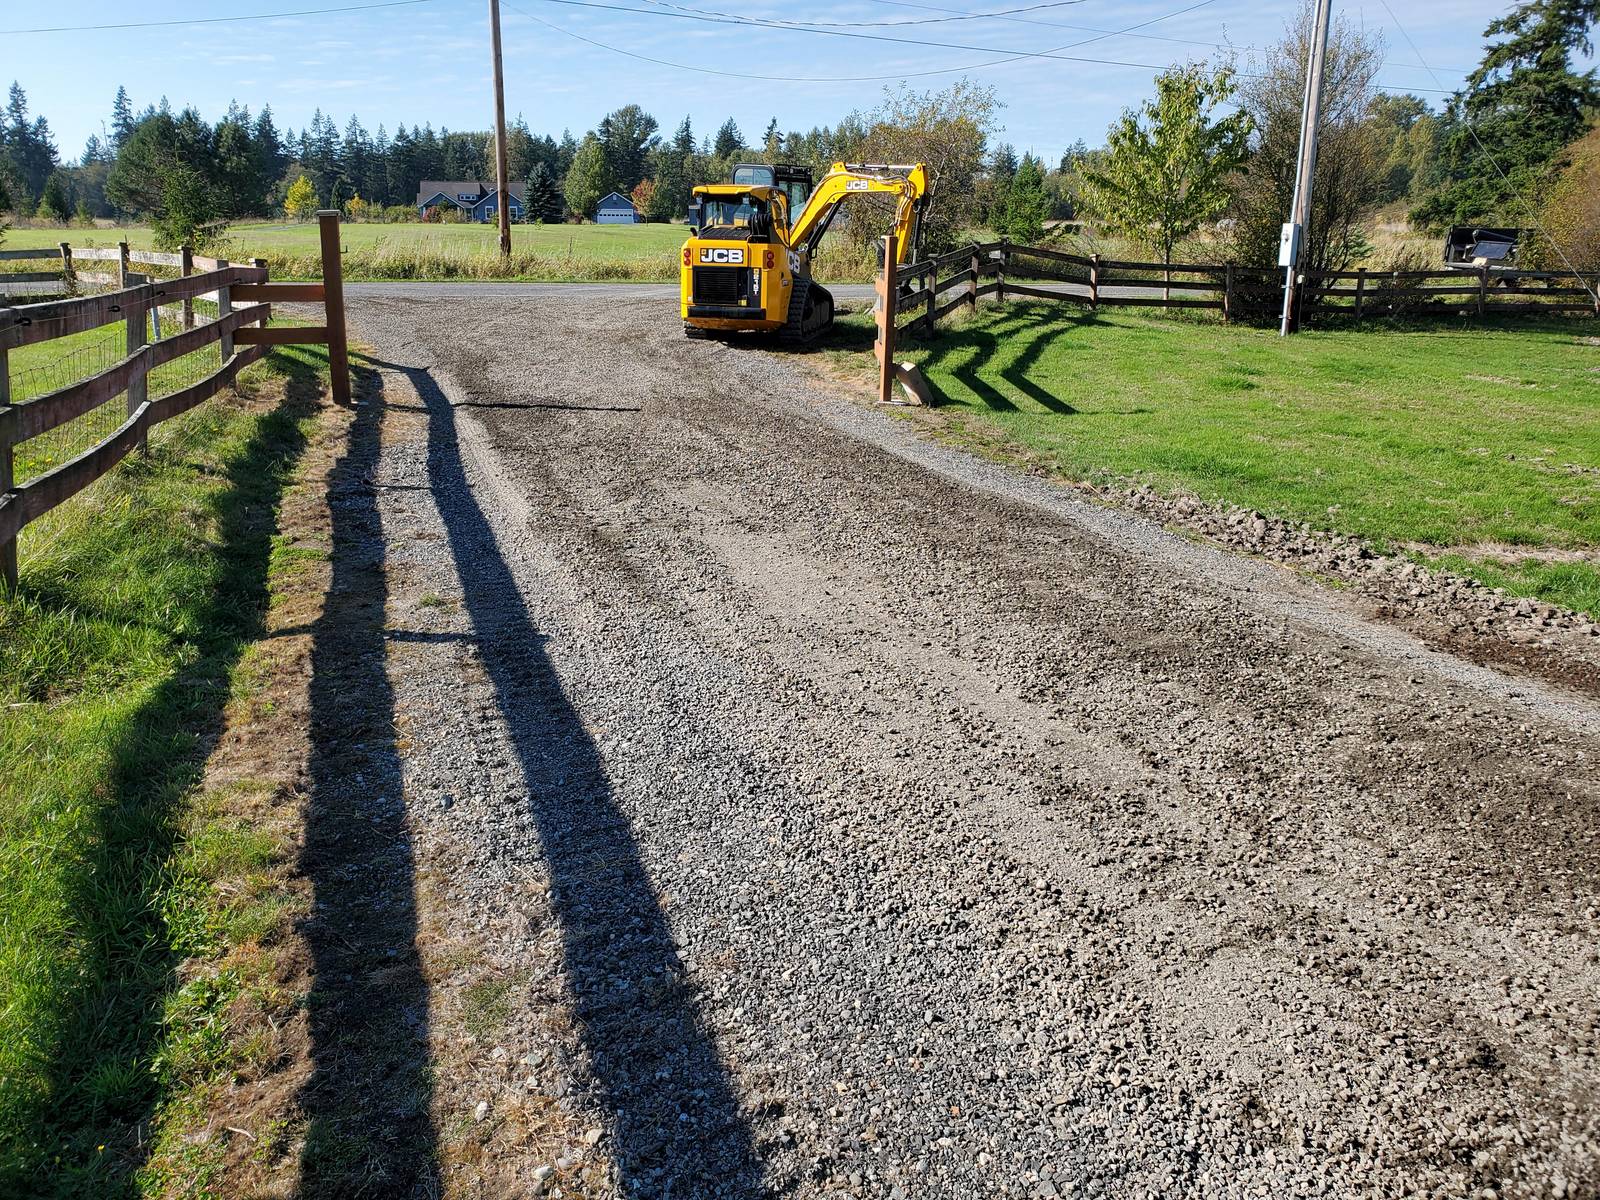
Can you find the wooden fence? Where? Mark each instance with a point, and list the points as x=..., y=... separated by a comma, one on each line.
x=242, y=335
x=930, y=289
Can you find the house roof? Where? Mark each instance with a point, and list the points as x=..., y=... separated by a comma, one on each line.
x=621, y=201
x=429, y=189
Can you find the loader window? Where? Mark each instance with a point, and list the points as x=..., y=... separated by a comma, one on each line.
x=743, y=216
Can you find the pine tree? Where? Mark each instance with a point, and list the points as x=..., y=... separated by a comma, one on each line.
x=587, y=180
x=1521, y=108
x=1026, y=203
x=543, y=203
x=729, y=141
x=121, y=119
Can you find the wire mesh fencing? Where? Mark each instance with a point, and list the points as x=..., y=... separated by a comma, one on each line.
x=39, y=370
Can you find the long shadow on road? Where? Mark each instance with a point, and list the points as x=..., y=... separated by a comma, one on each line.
x=676, y=1130
x=369, y=1092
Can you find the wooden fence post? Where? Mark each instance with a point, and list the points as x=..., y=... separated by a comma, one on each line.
x=888, y=298
x=139, y=382
x=1094, y=281
x=972, y=284
x=224, y=308
x=68, y=275
x=261, y=265
x=8, y=549
x=122, y=265
x=1483, y=289
x=1227, y=292
x=930, y=315
x=1361, y=289
x=186, y=267
x=1000, y=272
x=333, y=303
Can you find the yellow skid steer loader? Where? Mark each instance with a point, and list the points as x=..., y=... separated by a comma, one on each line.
x=747, y=263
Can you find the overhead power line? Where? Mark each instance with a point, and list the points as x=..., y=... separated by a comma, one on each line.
x=955, y=16
x=1010, y=56
x=1006, y=55
x=304, y=12
x=1148, y=37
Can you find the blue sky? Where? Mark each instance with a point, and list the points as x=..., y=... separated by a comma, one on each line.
x=428, y=60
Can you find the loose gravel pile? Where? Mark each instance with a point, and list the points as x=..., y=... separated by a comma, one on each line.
x=861, y=819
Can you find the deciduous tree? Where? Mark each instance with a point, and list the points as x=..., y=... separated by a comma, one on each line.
x=1167, y=165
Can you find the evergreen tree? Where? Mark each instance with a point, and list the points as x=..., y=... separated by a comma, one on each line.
x=28, y=147
x=544, y=203
x=1522, y=106
x=1026, y=203
x=121, y=119
x=53, y=202
x=729, y=141
x=627, y=136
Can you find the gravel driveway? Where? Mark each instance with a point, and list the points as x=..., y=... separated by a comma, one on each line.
x=861, y=819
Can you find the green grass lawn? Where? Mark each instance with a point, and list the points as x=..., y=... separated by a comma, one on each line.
x=1477, y=445
x=117, y=655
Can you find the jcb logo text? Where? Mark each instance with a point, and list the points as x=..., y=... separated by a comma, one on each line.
x=721, y=254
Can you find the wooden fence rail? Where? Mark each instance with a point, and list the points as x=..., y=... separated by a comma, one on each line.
x=1049, y=274
x=241, y=334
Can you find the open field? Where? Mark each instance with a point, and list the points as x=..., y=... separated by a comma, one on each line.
x=547, y=253
x=138, y=602
x=1476, y=444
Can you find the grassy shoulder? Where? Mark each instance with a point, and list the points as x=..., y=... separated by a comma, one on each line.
x=1471, y=445
x=134, y=899
x=539, y=253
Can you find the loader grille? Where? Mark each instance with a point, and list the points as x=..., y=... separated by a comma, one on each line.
x=720, y=285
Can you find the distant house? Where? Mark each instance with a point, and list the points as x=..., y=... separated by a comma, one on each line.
x=473, y=198
x=616, y=209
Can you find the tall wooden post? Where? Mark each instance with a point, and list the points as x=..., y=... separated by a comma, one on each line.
x=333, y=301
x=1000, y=272
x=139, y=382
x=122, y=265
x=930, y=316
x=888, y=288
x=1227, y=292
x=1094, y=281
x=1361, y=289
x=69, y=276
x=972, y=281
x=1483, y=289
x=501, y=175
x=186, y=266
x=8, y=548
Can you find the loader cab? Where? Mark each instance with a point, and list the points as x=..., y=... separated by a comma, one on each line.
x=794, y=182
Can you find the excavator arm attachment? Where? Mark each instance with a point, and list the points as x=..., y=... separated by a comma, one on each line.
x=908, y=182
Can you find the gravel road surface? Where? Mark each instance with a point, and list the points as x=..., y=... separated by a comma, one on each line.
x=862, y=819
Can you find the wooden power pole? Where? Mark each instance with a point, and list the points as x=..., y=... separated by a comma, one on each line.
x=1300, y=210
x=502, y=184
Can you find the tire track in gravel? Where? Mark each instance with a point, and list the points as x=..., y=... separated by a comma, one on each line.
x=1007, y=846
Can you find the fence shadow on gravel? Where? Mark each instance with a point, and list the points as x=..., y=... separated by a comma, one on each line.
x=369, y=1094
x=675, y=1125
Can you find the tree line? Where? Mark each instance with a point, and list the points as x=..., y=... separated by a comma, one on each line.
x=1215, y=146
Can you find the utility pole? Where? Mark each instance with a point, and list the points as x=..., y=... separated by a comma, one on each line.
x=502, y=184
x=1305, y=167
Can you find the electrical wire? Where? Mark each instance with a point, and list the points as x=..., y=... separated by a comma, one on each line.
x=761, y=23
x=1007, y=56
x=956, y=16
x=1149, y=37
x=305, y=12
x=697, y=69
x=1591, y=289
